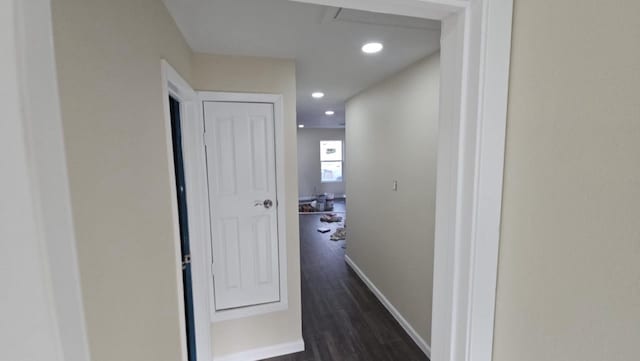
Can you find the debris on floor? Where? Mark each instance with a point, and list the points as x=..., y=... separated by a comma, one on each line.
x=324, y=229
x=339, y=234
x=330, y=217
x=307, y=207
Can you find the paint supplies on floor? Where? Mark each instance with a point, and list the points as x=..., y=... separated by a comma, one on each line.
x=330, y=218
x=307, y=207
x=339, y=234
x=328, y=205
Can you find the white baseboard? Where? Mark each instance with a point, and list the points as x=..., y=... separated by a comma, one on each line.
x=422, y=344
x=264, y=352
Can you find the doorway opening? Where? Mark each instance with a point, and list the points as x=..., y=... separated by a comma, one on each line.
x=367, y=150
x=185, y=248
x=468, y=209
x=321, y=178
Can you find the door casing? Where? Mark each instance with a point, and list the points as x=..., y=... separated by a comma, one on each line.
x=195, y=178
x=475, y=49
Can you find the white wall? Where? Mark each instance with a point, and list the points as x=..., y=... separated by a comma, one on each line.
x=392, y=135
x=309, y=162
x=261, y=75
x=569, y=273
x=108, y=60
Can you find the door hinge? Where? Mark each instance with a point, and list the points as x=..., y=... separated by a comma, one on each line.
x=186, y=260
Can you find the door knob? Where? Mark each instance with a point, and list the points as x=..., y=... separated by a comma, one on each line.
x=267, y=203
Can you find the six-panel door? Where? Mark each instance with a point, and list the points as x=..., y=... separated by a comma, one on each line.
x=241, y=168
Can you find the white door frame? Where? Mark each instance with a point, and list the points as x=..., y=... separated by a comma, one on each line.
x=475, y=49
x=280, y=201
x=44, y=314
x=198, y=211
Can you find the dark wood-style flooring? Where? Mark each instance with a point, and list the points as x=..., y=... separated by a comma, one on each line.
x=341, y=319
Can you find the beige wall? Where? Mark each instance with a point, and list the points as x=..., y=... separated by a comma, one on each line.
x=392, y=134
x=108, y=58
x=569, y=274
x=309, y=162
x=261, y=75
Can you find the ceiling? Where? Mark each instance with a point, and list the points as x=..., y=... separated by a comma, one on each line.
x=324, y=41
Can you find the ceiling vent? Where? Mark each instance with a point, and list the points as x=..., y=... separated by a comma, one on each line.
x=370, y=18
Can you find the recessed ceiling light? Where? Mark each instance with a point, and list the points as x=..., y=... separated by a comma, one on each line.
x=329, y=112
x=317, y=95
x=300, y=125
x=372, y=48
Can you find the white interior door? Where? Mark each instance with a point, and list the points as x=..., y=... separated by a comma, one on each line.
x=240, y=149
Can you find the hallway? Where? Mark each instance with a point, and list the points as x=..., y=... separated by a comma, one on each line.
x=341, y=318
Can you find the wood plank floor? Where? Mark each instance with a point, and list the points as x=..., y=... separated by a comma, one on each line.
x=341, y=318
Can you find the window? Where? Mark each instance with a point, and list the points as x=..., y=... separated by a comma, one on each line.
x=330, y=161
